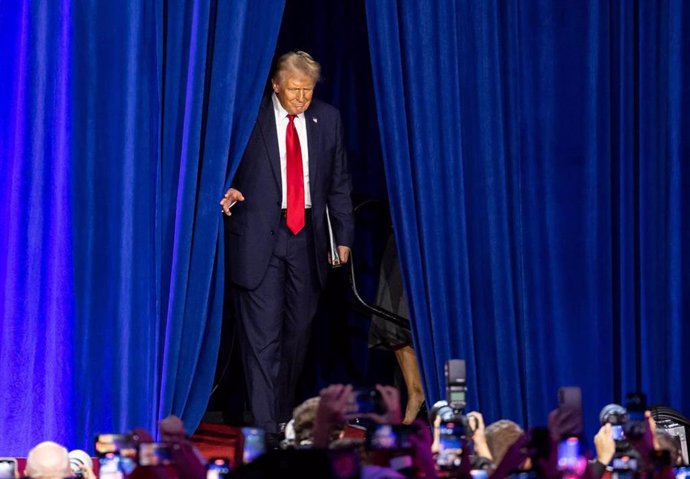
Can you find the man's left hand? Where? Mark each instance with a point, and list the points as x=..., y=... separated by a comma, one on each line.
x=344, y=253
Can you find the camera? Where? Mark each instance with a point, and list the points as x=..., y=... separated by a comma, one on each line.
x=617, y=416
x=456, y=384
x=451, y=440
x=626, y=424
x=78, y=461
x=453, y=424
x=624, y=464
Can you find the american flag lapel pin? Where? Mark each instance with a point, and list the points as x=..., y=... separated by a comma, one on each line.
x=315, y=120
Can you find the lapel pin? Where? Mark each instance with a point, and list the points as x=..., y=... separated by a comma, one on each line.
x=315, y=120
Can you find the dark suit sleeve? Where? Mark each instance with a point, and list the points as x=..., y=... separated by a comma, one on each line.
x=339, y=200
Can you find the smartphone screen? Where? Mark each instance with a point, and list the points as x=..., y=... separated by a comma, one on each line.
x=450, y=445
x=391, y=436
x=383, y=437
x=8, y=468
x=123, y=446
x=217, y=468
x=154, y=454
x=617, y=432
x=624, y=464
x=366, y=401
x=570, y=458
x=254, y=443
x=110, y=466
x=524, y=475
x=682, y=472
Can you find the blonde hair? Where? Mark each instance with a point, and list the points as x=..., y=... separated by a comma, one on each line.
x=296, y=61
x=304, y=416
x=500, y=435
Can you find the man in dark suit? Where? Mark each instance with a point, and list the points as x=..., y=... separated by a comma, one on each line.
x=293, y=168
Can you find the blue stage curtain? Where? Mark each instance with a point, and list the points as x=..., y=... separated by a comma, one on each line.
x=537, y=160
x=121, y=125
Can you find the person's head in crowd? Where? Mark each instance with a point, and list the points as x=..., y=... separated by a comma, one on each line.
x=304, y=417
x=666, y=442
x=48, y=460
x=500, y=435
x=172, y=429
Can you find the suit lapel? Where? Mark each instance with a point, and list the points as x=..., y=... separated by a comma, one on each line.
x=267, y=123
x=313, y=137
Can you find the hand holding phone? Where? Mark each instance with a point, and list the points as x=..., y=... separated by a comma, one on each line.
x=569, y=412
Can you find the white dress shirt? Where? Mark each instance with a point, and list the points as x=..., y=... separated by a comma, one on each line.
x=282, y=122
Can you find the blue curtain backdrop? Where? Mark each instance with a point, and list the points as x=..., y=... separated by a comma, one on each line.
x=120, y=127
x=537, y=156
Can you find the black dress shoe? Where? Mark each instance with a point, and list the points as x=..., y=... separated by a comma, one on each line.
x=273, y=440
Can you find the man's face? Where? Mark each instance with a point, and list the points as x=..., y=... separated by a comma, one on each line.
x=294, y=90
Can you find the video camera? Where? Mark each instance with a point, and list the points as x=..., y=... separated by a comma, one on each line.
x=627, y=423
x=453, y=424
x=617, y=416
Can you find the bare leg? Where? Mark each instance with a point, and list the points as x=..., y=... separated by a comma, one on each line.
x=407, y=359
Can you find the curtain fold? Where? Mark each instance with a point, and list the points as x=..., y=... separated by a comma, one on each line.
x=214, y=80
x=538, y=180
x=37, y=304
x=120, y=129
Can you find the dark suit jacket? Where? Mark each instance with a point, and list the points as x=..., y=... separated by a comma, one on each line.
x=255, y=220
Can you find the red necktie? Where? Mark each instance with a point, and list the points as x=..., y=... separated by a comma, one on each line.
x=295, y=179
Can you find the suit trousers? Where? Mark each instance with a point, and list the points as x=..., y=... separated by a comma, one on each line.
x=274, y=322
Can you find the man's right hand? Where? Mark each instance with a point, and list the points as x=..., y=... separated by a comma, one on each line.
x=605, y=445
x=231, y=197
x=330, y=413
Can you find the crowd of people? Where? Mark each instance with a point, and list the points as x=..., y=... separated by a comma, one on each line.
x=343, y=433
